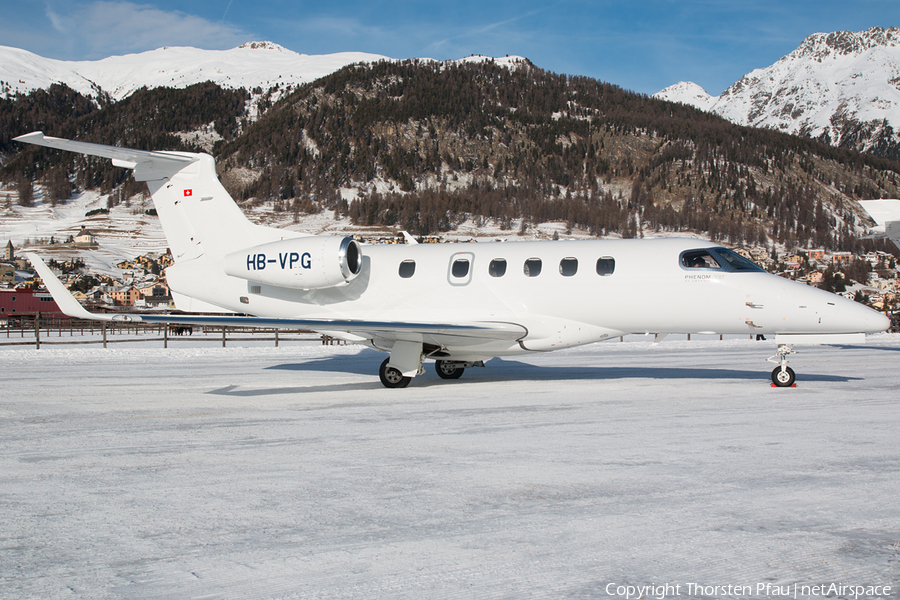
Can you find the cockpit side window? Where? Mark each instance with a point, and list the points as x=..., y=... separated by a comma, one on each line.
x=735, y=261
x=699, y=259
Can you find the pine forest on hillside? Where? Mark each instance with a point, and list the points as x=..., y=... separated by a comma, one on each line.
x=428, y=145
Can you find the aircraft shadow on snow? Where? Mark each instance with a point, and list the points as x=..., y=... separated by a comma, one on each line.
x=500, y=370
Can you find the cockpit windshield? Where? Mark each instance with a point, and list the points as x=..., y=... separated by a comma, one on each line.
x=717, y=258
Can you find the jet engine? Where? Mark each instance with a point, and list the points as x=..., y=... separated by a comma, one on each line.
x=304, y=263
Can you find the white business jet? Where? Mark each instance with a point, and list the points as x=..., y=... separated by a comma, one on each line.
x=457, y=304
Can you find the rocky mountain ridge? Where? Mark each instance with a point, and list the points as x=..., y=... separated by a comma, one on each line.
x=842, y=88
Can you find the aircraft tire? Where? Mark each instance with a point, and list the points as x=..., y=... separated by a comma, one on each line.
x=391, y=377
x=784, y=378
x=444, y=371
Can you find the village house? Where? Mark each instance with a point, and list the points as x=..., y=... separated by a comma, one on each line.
x=85, y=238
x=7, y=273
x=816, y=254
x=759, y=255
x=842, y=257
x=124, y=295
x=95, y=294
x=26, y=302
x=156, y=289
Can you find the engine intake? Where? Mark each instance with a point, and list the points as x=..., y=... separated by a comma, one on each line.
x=305, y=263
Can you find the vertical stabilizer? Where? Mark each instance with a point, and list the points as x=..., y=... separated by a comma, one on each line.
x=197, y=214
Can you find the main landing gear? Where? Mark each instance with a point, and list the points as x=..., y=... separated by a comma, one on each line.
x=783, y=375
x=392, y=377
x=449, y=369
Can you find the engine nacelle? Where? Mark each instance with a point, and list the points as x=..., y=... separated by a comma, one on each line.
x=304, y=263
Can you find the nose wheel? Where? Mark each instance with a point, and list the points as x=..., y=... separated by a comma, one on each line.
x=783, y=375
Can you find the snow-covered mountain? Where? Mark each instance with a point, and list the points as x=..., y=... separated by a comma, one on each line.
x=255, y=64
x=252, y=65
x=841, y=87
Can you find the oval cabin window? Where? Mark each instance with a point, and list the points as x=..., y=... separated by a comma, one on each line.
x=407, y=269
x=460, y=267
x=532, y=267
x=568, y=267
x=605, y=266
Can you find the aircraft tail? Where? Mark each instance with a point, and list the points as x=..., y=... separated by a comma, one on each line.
x=198, y=216
x=886, y=213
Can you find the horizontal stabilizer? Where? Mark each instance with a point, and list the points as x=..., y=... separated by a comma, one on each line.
x=146, y=164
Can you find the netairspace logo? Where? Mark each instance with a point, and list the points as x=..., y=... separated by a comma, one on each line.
x=768, y=590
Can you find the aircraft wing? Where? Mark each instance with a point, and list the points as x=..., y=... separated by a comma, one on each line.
x=434, y=333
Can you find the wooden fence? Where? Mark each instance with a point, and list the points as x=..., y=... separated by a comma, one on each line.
x=40, y=332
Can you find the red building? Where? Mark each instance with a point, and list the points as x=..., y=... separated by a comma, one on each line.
x=27, y=302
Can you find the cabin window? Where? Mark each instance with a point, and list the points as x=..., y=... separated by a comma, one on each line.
x=460, y=267
x=532, y=267
x=606, y=265
x=699, y=259
x=568, y=267
x=497, y=268
x=407, y=269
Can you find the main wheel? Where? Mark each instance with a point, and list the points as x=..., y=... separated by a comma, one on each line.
x=783, y=378
x=392, y=377
x=446, y=370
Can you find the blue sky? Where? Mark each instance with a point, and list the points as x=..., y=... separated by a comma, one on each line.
x=641, y=46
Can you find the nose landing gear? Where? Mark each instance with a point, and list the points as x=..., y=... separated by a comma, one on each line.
x=783, y=375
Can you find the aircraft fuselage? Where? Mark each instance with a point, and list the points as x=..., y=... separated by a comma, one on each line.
x=563, y=293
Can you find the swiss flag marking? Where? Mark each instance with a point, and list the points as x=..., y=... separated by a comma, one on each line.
x=188, y=193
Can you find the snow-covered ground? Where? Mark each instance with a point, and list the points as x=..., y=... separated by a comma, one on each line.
x=290, y=472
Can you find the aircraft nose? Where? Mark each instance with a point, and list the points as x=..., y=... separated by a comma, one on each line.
x=875, y=322
x=860, y=318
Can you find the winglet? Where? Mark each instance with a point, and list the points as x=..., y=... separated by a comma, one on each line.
x=64, y=299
